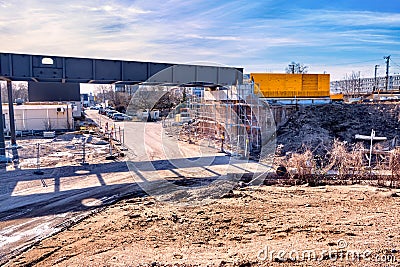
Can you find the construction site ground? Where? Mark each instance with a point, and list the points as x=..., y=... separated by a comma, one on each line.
x=99, y=215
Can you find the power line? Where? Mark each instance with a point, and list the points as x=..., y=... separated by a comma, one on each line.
x=395, y=63
x=350, y=63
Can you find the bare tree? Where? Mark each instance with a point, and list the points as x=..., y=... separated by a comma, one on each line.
x=120, y=100
x=351, y=84
x=294, y=67
x=145, y=99
x=104, y=92
x=19, y=90
x=167, y=101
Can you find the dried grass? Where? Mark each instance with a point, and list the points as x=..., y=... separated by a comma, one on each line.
x=343, y=163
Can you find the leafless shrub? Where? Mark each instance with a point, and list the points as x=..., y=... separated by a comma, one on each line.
x=394, y=166
x=338, y=158
x=303, y=165
x=348, y=163
x=356, y=168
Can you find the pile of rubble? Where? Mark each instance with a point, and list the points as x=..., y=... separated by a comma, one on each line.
x=317, y=126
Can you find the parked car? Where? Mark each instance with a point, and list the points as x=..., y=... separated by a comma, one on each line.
x=116, y=116
x=110, y=113
x=127, y=117
x=121, y=117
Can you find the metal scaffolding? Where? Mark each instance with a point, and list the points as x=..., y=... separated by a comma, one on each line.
x=232, y=119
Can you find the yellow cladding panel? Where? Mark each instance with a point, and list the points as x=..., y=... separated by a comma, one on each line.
x=324, y=82
x=310, y=82
x=292, y=85
x=293, y=82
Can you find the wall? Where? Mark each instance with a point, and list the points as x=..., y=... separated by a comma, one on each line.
x=40, y=117
x=276, y=85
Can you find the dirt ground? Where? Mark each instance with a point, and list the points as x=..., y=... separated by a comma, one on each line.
x=75, y=221
x=245, y=228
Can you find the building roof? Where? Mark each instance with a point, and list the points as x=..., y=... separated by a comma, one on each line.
x=36, y=106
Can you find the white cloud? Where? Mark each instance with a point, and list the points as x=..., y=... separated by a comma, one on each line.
x=350, y=18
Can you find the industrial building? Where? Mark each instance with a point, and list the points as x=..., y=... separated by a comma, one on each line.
x=367, y=85
x=31, y=117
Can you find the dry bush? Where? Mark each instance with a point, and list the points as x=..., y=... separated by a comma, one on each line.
x=356, y=168
x=347, y=162
x=303, y=164
x=394, y=165
x=338, y=158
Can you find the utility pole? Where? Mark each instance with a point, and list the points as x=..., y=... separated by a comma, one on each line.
x=375, y=84
x=387, y=72
x=12, y=121
x=2, y=143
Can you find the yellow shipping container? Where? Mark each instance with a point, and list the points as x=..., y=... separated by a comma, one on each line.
x=279, y=85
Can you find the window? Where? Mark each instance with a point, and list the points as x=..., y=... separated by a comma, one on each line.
x=47, y=61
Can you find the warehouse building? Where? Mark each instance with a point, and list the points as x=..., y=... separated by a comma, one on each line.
x=40, y=117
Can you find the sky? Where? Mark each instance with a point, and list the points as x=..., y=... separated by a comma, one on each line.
x=336, y=36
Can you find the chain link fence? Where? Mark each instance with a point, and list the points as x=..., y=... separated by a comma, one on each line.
x=35, y=152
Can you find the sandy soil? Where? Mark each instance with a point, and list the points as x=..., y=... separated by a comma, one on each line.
x=242, y=229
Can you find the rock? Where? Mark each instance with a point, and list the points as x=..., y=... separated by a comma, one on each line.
x=133, y=216
x=178, y=256
x=230, y=194
x=280, y=260
x=174, y=218
x=234, y=254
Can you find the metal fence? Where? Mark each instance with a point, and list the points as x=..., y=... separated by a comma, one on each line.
x=35, y=152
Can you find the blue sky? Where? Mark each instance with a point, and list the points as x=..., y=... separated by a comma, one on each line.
x=338, y=36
